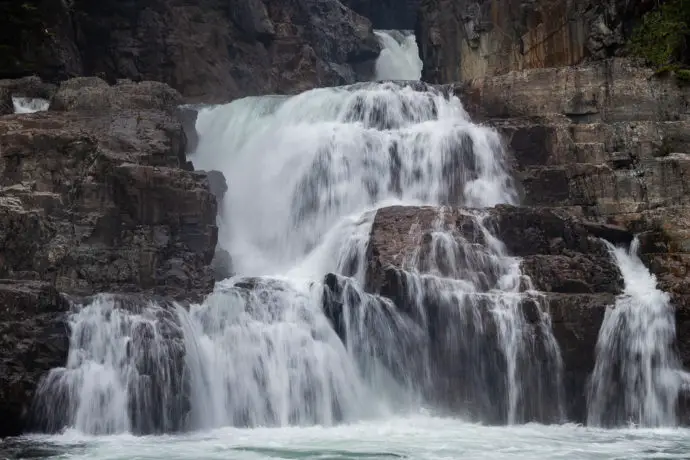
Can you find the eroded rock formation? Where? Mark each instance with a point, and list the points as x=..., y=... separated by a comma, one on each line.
x=93, y=198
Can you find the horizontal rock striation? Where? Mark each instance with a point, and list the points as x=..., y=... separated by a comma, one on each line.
x=562, y=256
x=93, y=198
x=607, y=141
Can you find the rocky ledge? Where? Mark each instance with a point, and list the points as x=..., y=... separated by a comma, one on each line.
x=607, y=141
x=95, y=197
x=563, y=257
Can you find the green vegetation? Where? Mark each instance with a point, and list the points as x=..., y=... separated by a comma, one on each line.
x=662, y=38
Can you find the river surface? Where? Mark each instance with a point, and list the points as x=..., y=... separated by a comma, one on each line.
x=413, y=437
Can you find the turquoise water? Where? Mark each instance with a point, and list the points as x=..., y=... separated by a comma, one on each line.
x=414, y=437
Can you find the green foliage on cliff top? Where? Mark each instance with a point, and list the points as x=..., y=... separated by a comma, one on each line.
x=663, y=35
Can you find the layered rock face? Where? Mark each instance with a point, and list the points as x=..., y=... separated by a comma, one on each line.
x=562, y=257
x=607, y=141
x=466, y=39
x=388, y=14
x=94, y=198
x=209, y=50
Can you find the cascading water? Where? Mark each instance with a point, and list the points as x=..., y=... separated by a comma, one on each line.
x=123, y=373
x=638, y=376
x=305, y=175
x=29, y=104
x=399, y=58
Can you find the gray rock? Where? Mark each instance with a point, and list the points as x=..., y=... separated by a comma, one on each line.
x=461, y=40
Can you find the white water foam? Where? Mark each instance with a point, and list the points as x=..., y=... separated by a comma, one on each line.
x=304, y=175
x=29, y=104
x=637, y=376
x=399, y=58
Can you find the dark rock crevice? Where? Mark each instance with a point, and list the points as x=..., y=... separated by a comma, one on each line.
x=210, y=51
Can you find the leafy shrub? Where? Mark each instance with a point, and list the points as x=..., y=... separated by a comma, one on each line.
x=662, y=38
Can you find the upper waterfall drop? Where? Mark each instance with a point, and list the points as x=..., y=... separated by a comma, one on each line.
x=399, y=58
x=300, y=168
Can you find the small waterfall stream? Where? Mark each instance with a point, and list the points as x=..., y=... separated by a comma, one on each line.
x=638, y=376
x=29, y=104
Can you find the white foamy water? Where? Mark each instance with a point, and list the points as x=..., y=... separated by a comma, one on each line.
x=281, y=363
x=415, y=437
x=304, y=174
x=29, y=104
x=638, y=376
x=399, y=58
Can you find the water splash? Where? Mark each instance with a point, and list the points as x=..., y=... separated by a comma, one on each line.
x=124, y=371
x=260, y=354
x=29, y=104
x=637, y=376
x=399, y=58
x=298, y=167
x=461, y=326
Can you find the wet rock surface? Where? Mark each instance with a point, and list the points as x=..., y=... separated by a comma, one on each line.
x=607, y=142
x=563, y=257
x=33, y=340
x=94, y=198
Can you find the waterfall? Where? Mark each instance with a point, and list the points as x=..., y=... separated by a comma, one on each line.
x=29, y=104
x=295, y=338
x=637, y=375
x=399, y=58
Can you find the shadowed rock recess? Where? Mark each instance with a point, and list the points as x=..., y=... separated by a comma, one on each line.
x=93, y=198
x=209, y=50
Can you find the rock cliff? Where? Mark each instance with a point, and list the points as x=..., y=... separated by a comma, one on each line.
x=209, y=50
x=465, y=39
x=94, y=198
x=593, y=135
x=607, y=141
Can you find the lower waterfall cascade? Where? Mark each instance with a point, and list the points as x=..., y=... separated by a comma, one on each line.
x=294, y=338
